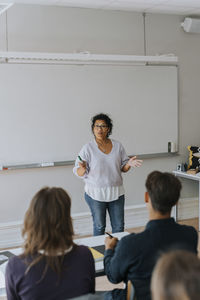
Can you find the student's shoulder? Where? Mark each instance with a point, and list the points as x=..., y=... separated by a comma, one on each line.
x=16, y=259
x=16, y=262
x=82, y=250
x=83, y=253
x=132, y=243
x=185, y=227
x=188, y=229
x=133, y=238
x=188, y=233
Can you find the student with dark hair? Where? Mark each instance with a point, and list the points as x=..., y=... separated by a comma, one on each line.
x=100, y=163
x=134, y=256
x=51, y=266
x=176, y=277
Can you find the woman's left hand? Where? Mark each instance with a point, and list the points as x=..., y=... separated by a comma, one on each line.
x=134, y=162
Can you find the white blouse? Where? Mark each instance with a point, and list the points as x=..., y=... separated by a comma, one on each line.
x=103, y=178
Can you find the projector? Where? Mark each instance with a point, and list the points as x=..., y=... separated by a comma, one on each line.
x=191, y=25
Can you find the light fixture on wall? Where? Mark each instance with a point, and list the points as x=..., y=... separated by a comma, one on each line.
x=191, y=25
x=84, y=58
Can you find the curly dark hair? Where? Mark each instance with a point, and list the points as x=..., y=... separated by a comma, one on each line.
x=105, y=118
x=164, y=190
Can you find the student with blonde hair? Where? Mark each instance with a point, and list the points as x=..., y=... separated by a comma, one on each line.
x=176, y=277
x=51, y=266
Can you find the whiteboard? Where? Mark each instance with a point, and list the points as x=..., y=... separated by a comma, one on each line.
x=46, y=109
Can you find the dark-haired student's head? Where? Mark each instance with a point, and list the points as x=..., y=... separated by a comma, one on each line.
x=163, y=190
x=106, y=123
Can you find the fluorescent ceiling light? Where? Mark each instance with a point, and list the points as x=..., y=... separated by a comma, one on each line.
x=83, y=58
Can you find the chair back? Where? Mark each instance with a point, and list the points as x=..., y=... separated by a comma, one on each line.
x=130, y=291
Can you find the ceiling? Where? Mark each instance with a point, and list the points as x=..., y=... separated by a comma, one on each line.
x=179, y=7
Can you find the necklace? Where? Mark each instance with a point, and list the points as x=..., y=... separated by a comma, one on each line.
x=101, y=147
x=41, y=251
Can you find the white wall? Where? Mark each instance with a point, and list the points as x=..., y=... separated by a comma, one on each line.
x=3, y=32
x=61, y=29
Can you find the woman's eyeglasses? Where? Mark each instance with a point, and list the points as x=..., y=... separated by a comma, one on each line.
x=103, y=127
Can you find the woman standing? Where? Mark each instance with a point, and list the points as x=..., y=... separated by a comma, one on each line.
x=100, y=163
x=52, y=266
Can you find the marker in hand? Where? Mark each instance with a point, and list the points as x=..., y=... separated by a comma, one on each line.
x=110, y=235
x=110, y=242
x=82, y=163
x=82, y=166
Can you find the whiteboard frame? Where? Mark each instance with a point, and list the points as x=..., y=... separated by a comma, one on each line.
x=71, y=162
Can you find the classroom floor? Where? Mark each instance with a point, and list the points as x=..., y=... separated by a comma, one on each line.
x=102, y=283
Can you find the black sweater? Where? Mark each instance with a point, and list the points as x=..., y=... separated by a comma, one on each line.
x=136, y=254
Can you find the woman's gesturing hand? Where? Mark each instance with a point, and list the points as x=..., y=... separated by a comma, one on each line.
x=134, y=162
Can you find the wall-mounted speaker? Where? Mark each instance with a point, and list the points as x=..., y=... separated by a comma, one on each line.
x=191, y=25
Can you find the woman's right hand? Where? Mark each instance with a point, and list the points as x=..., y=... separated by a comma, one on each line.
x=82, y=168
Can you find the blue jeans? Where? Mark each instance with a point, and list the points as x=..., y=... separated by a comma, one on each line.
x=98, y=209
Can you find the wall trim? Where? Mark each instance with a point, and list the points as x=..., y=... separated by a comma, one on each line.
x=135, y=216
